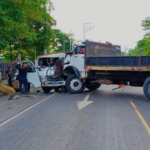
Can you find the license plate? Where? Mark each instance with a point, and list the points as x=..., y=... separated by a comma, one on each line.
x=55, y=82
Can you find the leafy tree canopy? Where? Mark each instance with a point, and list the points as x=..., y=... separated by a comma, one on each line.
x=61, y=39
x=146, y=26
x=26, y=25
x=143, y=46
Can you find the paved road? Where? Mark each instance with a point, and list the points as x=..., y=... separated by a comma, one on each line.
x=110, y=122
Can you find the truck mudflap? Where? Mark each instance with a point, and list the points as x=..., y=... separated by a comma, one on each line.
x=71, y=70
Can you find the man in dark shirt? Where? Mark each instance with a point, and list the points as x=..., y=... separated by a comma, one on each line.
x=23, y=76
x=9, y=76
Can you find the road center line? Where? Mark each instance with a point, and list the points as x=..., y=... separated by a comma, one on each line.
x=10, y=119
x=141, y=118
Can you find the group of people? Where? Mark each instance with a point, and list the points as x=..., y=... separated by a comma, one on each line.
x=24, y=86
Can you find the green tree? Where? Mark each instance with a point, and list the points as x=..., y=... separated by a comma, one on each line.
x=133, y=52
x=26, y=24
x=146, y=26
x=60, y=39
x=143, y=46
x=13, y=24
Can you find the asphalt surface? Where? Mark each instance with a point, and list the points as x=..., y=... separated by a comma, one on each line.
x=54, y=122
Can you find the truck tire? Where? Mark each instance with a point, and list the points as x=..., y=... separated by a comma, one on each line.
x=146, y=88
x=57, y=89
x=93, y=87
x=46, y=89
x=74, y=85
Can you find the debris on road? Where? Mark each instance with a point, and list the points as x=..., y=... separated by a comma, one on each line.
x=30, y=96
x=7, y=89
x=14, y=97
x=17, y=96
x=120, y=86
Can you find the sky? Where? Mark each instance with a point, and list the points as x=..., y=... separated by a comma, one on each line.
x=115, y=21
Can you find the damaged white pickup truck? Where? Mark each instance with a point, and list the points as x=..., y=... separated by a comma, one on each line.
x=63, y=70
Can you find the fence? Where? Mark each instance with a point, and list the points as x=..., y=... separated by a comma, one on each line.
x=4, y=66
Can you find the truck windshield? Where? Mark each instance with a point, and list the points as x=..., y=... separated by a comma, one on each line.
x=46, y=62
x=80, y=50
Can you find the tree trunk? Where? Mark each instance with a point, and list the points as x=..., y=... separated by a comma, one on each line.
x=10, y=51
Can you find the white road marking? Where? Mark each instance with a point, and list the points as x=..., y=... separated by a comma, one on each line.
x=85, y=102
x=10, y=119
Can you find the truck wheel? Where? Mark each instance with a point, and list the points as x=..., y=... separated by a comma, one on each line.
x=46, y=89
x=146, y=88
x=74, y=85
x=57, y=89
x=93, y=87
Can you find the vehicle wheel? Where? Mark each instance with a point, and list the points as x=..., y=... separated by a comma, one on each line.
x=74, y=85
x=57, y=89
x=93, y=87
x=146, y=88
x=46, y=89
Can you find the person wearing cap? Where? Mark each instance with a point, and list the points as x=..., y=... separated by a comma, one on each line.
x=23, y=76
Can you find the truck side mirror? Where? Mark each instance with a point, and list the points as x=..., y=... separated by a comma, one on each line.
x=68, y=62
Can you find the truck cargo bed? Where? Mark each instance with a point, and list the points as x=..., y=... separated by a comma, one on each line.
x=112, y=61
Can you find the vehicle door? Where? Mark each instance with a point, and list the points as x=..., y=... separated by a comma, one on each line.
x=32, y=75
x=78, y=58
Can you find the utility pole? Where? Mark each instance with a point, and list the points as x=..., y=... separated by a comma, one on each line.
x=64, y=45
x=10, y=51
x=35, y=56
x=70, y=41
x=83, y=31
x=45, y=40
x=86, y=29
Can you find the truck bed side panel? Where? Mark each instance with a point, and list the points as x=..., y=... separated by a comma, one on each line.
x=134, y=61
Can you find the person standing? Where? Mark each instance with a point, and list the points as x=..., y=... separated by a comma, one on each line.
x=24, y=91
x=23, y=76
x=9, y=76
x=0, y=76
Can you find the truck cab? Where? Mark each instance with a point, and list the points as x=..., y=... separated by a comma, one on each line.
x=76, y=60
x=54, y=69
